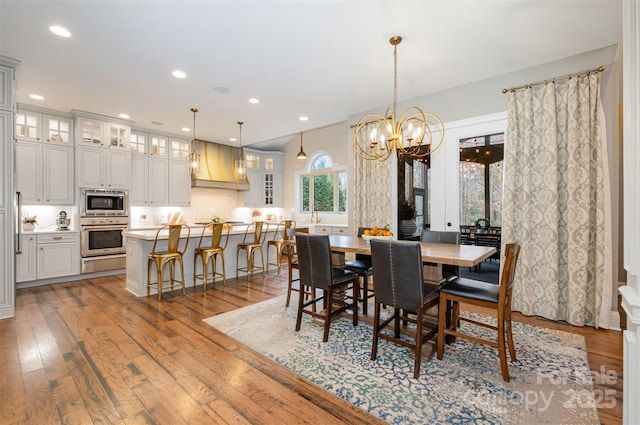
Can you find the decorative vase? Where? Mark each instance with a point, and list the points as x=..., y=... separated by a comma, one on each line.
x=407, y=228
x=28, y=227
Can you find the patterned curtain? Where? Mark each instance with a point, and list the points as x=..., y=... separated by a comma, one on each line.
x=557, y=201
x=373, y=204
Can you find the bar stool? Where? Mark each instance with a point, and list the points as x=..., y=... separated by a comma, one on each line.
x=278, y=242
x=210, y=254
x=170, y=256
x=254, y=237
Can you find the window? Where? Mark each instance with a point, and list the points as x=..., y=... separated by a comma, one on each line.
x=323, y=188
x=481, y=171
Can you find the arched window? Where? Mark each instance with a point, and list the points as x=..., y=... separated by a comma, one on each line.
x=323, y=187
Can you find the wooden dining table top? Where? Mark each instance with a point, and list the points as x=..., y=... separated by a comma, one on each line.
x=440, y=253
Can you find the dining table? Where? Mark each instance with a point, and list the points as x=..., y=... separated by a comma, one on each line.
x=434, y=254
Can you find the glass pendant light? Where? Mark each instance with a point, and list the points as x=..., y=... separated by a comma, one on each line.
x=241, y=169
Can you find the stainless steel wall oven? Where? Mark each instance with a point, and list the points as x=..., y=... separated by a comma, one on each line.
x=102, y=243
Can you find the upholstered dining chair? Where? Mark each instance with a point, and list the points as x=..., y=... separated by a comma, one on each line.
x=209, y=254
x=254, y=237
x=361, y=266
x=399, y=283
x=277, y=242
x=317, y=272
x=169, y=257
x=483, y=294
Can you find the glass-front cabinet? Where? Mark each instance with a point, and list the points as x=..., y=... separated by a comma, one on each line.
x=43, y=125
x=28, y=126
x=91, y=132
x=179, y=149
x=138, y=143
x=118, y=136
x=158, y=145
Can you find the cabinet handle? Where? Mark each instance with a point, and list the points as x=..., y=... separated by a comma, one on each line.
x=41, y=248
x=57, y=238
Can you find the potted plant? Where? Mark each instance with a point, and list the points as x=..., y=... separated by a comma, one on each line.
x=482, y=224
x=28, y=222
x=406, y=213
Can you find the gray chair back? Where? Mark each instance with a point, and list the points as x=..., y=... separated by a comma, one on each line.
x=314, y=260
x=440, y=237
x=398, y=273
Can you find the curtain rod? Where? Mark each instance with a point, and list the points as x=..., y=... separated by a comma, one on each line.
x=553, y=80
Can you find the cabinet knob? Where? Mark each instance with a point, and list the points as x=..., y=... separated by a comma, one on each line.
x=41, y=249
x=449, y=224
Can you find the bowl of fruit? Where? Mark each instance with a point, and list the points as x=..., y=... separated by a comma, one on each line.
x=377, y=233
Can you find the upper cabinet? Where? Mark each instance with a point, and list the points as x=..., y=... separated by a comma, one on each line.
x=160, y=170
x=44, y=156
x=103, y=158
x=41, y=125
x=265, y=171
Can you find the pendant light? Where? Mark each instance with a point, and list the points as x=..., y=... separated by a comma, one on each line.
x=301, y=154
x=194, y=158
x=241, y=169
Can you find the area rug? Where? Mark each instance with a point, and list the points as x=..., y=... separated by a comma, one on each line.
x=550, y=382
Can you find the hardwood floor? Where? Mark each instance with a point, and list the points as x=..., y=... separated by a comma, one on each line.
x=89, y=352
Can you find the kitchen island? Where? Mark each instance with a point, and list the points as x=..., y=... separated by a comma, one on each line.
x=140, y=244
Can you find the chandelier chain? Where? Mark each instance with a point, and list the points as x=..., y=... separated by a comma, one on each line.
x=395, y=78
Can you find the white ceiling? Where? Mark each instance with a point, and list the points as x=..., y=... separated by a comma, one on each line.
x=323, y=59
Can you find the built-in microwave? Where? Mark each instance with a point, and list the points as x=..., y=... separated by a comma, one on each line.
x=104, y=202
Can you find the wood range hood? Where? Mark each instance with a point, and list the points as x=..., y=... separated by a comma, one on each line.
x=217, y=167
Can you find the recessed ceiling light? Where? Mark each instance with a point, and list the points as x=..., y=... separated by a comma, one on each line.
x=179, y=74
x=232, y=139
x=36, y=97
x=61, y=31
x=124, y=116
x=185, y=129
x=303, y=118
x=221, y=90
x=254, y=100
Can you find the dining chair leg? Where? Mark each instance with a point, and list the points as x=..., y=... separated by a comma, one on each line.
x=376, y=329
x=396, y=322
x=184, y=289
x=502, y=349
x=300, y=304
x=442, y=323
x=160, y=268
x=328, y=314
x=418, y=359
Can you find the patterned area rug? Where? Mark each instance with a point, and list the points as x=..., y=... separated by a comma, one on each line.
x=550, y=382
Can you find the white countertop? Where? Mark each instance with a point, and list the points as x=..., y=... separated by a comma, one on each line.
x=196, y=231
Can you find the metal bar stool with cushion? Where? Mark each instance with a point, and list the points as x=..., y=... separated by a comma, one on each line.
x=483, y=294
x=252, y=241
x=279, y=236
x=361, y=265
x=399, y=283
x=317, y=272
x=168, y=257
x=210, y=254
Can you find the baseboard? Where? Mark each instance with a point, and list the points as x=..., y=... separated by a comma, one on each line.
x=614, y=321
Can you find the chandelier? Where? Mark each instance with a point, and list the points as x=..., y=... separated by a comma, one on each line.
x=241, y=169
x=377, y=136
x=194, y=158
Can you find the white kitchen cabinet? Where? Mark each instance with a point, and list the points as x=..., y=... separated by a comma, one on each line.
x=34, y=124
x=118, y=136
x=158, y=145
x=44, y=173
x=26, y=259
x=265, y=172
x=158, y=186
x=138, y=195
x=179, y=184
x=28, y=126
x=138, y=143
x=90, y=132
x=58, y=254
x=179, y=149
x=103, y=168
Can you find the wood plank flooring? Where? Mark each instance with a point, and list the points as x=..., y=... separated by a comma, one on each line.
x=89, y=352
